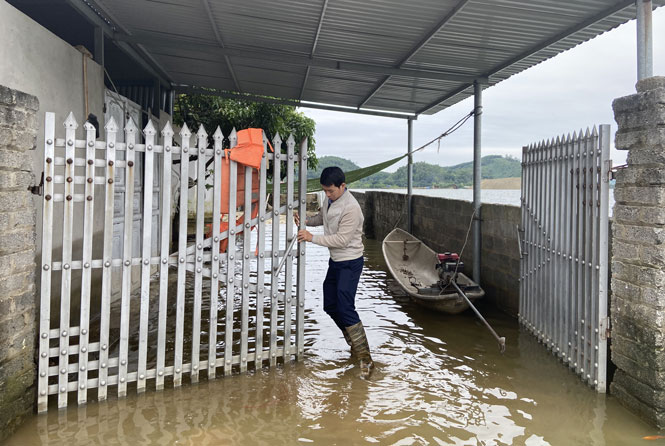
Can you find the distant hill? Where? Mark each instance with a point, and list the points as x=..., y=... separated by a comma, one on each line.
x=428, y=175
x=328, y=161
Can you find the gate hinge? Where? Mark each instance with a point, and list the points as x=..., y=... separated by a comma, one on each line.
x=604, y=328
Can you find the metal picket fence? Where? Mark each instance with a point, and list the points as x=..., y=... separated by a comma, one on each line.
x=240, y=311
x=564, y=249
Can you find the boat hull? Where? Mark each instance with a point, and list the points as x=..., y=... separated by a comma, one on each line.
x=413, y=265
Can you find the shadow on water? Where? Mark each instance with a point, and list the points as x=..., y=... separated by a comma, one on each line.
x=440, y=380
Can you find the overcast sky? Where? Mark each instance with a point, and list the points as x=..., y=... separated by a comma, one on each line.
x=570, y=91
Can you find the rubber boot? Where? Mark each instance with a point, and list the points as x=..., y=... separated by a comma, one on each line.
x=360, y=346
x=347, y=338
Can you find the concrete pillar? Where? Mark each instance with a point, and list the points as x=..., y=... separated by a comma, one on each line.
x=638, y=253
x=18, y=130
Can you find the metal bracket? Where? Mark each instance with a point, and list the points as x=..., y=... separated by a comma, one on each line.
x=614, y=169
x=604, y=328
x=519, y=243
x=39, y=189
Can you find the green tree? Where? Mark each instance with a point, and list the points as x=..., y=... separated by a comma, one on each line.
x=213, y=111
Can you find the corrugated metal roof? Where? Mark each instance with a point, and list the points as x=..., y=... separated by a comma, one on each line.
x=416, y=56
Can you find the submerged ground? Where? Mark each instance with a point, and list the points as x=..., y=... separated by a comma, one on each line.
x=440, y=380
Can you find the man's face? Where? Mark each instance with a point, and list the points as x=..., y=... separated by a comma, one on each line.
x=333, y=192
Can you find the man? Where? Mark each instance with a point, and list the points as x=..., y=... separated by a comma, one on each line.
x=342, y=221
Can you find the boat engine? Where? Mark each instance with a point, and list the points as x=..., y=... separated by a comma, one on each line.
x=448, y=267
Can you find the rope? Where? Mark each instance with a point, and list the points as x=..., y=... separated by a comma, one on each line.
x=438, y=139
x=451, y=130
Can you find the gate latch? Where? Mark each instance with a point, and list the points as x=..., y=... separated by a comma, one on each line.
x=37, y=190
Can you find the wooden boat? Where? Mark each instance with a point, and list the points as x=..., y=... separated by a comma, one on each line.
x=414, y=266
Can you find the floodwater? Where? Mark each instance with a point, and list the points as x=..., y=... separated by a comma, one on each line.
x=440, y=380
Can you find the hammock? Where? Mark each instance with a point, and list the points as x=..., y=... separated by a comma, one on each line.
x=314, y=185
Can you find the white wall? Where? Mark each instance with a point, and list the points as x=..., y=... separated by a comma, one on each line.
x=37, y=62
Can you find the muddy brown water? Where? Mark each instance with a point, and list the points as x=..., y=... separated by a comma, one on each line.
x=439, y=380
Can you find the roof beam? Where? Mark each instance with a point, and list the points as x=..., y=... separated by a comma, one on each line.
x=85, y=8
x=316, y=41
x=424, y=41
x=291, y=58
x=533, y=50
x=293, y=102
x=206, y=5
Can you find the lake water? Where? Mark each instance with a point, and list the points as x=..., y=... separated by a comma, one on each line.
x=440, y=380
x=492, y=196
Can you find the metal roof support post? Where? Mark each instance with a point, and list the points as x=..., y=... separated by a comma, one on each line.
x=409, y=181
x=477, y=128
x=644, y=39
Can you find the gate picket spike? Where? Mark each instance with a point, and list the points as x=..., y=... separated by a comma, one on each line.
x=70, y=122
x=111, y=126
x=130, y=126
x=149, y=129
x=202, y=132
x=218, y=135
x=167, y=131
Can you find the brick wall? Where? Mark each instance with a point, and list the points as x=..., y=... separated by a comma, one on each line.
x=442, y=224
x=638, y=253
x=18, y=129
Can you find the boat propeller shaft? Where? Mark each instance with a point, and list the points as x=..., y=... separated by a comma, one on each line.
x=501, y=340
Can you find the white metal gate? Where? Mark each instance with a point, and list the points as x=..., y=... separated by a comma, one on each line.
x=143, y=342
x=564, y=249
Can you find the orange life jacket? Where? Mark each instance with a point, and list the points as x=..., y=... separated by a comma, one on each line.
x=248, y=152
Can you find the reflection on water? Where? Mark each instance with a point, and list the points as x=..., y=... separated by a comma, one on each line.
x=440, y=380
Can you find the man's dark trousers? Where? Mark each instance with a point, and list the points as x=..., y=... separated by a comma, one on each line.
x=339, y=291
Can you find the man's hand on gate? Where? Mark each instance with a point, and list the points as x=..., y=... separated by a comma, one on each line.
x=304, y=236
x=296, y=219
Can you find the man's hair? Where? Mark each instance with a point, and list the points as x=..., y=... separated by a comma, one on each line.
x=332, y=175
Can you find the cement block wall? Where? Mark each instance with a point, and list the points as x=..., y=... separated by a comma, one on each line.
x=442, y=224
x=18, y=129
x=638, y=253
